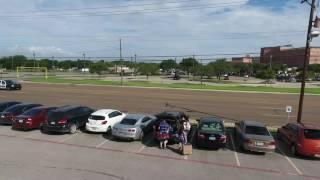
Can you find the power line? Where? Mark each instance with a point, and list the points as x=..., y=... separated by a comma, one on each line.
x=166, y=9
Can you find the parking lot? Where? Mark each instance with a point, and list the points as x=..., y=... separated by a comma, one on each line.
x=33, y=155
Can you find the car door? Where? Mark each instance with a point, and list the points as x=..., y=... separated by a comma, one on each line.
x=293, y=134
x=114, y=117
x=146, y=124
x=284, y=133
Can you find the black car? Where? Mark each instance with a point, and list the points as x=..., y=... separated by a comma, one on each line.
x=9, y=114
x=5, y=105
x=66, y=119
x=211, y=133
x=10, y=85
x=173, y=119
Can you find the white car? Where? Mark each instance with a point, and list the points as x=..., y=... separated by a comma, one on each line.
x=103, y=120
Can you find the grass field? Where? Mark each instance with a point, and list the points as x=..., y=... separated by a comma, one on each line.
x=261, y=88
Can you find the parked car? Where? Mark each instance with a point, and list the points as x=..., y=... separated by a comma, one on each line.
x=103, y=120
x=66, y=119
x=9, y=114
x=5, y=105
x=10, y=85
x=303, y=139
x=31, y=119
x=173, y=119
x=211, y=133
x=133, y=126
x=254, y=136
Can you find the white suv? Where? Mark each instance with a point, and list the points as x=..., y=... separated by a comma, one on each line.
x=103, y=120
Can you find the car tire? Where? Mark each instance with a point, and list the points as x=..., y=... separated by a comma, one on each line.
x=293, y=150
x=42, y=130
x=141, y=136
x=109, y=131
x=72, y=128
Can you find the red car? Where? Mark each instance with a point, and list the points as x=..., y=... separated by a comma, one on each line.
x=303, y=139
x=31, y=119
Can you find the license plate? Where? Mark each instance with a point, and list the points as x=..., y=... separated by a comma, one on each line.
x=259, y=143
x=20, y=121
x=93, y=128
x=53, y=123
x=212, y=138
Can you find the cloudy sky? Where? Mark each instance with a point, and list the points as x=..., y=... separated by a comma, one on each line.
x=149, y=27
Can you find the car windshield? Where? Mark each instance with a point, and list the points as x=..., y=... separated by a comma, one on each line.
x=128, y=121
x=257, y=130
x=13, y=109
x=32, y=112
x=10, y=82
x=312, y=134
x=95, y=117
x=211, y=126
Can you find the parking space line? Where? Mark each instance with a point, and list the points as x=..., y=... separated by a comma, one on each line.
x=234, y=150
x=289, y=160
x=67, y=138
x=102, y=143
x=277, y=115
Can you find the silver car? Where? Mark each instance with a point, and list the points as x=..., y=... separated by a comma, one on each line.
x=133, y=126
x=254, y=136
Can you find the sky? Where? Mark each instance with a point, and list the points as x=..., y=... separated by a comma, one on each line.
x=212, y=28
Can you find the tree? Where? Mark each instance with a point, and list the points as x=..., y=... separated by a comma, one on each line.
x=221, y=66
x=148, y=69
x=266, y=74
x=98, y=68
x=166, y=65
x=189, y=64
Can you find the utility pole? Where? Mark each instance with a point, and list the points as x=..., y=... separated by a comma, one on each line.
x=131, y=58
x=12, y=62
x=270, y=62
x=34, y=59
x=306, y=58
x=201, y=71
x=121, y=74
x=84, y=61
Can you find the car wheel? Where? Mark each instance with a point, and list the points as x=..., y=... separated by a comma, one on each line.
x=109, y=131
x=73, y=128
x=293, y=150
x=141, y=135
x=42, y=130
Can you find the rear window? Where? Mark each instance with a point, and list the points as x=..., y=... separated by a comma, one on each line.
x=32, y=112
x=256, y=130
x=211, y=126
x=13, y=109
x=93, y=117
x=54, y=116
x=128, y=121
x=312, y=134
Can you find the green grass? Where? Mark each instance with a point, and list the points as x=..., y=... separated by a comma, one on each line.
x=261, y=88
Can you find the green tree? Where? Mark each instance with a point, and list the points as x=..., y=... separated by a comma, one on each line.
x=148, y=69
x=267, y=74
x=189, y=65
x=221, y=66
x=98, y=68
x=166, y=65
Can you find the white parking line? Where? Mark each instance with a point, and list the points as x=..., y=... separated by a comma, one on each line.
x=277, y=115
x=290, y=161
x=234, y=150
x=67, y=138
x=101, y=144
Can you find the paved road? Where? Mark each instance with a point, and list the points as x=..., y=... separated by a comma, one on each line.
x=32, y=155
x=268, y=108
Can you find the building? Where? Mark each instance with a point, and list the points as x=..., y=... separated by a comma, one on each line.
x=293, y=57
x=247, y=59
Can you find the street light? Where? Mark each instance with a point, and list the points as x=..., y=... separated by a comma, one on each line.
x=311, y=34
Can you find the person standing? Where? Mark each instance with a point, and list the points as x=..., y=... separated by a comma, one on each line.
x=163, y=135
x=186, y=127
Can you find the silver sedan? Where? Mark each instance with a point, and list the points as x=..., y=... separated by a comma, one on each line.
x=133, y=126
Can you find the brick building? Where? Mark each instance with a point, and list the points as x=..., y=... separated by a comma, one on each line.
x=293, y=57
x=247, y=59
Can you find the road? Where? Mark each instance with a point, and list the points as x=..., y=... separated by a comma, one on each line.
x=267, y=108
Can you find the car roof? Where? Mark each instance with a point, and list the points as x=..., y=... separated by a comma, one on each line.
x=135, y=116
x=43, y=107
x=253, y=123
x=170, y=114
x=210, y=119
x=9, y=102
x=66, y=108
x=309, y=126
x=103, y=111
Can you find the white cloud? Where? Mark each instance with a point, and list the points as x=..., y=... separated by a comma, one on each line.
x=219, y=29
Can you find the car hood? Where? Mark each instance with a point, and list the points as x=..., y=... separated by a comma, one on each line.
x=259, y=137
